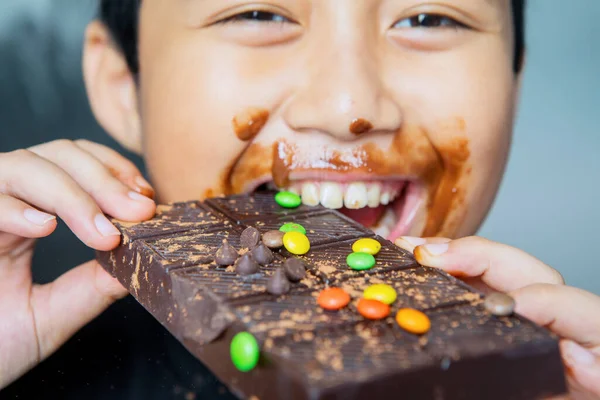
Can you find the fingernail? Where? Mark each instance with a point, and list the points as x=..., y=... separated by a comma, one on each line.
x=436, y=249
x=138, y=197
x=414, y=241
x=578, y=355
x=143, y=187
x=37, y=217
x=105, y=227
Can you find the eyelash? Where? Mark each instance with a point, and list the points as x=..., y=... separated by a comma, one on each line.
x=429, y=21
x=256, y=16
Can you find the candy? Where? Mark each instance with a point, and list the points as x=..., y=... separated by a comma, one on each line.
x=499, y=304
x=226, y=255
x=383, y=293
x=246, y=265
x=296, y=243
x=360, y=261
x=294, y=269
x=413, y=321
x=273, y=239
x=244, y=351
x=292, y=227
x=278, y=284
x=333, y=298
x=366, y=245
x=373, y=309
x=250, y=237
x=288, y=200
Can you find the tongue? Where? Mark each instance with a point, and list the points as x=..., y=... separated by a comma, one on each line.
x=366, y=216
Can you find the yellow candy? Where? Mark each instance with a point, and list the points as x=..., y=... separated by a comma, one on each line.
x=366, y=245
x=296, y=243
x=383, y=293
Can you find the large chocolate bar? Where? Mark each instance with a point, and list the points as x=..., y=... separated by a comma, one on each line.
x=306, y=352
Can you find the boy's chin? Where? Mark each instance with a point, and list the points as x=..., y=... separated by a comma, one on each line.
x=390, y=208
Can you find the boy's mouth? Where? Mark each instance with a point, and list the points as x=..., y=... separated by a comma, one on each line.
x=388, y=207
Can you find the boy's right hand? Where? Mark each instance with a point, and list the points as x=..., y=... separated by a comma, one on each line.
x=78, y=182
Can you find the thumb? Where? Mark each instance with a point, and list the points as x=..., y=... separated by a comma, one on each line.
x=64, y=306
x=584, y=369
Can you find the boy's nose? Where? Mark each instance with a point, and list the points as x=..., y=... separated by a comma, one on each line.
x=343, y=94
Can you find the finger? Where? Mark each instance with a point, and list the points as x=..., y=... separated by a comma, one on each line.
x=569, y=312
x=20, y=219
x=47, y=187
x=120, y=167
x=110, y=194
x=62, y=307
x=409, y=243
x=501, y=267
x=573, y=314
x=583, y=369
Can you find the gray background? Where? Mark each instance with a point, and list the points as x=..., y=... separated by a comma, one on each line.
x=547, y=204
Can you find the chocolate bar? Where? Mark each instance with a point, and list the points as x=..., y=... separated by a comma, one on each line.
x=183, y=268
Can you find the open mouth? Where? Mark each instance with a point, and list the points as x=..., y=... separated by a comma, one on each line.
x=389, y=208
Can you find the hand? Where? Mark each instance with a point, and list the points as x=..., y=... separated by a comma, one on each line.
x=539, y=293
x=78, y=182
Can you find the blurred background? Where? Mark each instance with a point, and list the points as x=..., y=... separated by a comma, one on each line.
x=547, y=205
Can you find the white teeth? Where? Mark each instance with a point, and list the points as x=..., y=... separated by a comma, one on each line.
x=293, y=189
x=332, y=195
x=385, y=198
x=356, y=196
x=310, y=194
x=373, y=195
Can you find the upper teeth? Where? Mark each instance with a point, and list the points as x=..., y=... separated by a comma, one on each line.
x=352, y=195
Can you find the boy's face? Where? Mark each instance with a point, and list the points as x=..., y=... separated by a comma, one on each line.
x=401, y=110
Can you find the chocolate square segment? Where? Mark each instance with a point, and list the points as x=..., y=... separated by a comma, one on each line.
x=307, y=352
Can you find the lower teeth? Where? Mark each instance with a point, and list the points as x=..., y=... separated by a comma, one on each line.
x=386, y=223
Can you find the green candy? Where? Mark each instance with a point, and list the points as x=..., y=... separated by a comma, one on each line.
x=360, y=261
x=244, y=351
x=292, y=227
x=288, y=200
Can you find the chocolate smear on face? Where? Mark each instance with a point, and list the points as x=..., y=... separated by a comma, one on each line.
x=273, y=239
x=263, y=255
x=226, y=255
x=249, y=238
x=248, y=124
x=360, y=126
x=294, y=269
x=246, y=265
x=278, y=284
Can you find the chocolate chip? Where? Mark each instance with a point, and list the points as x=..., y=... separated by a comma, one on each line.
x=246, y=265
x=294, y=269
x=250, y=238
x=226, y=255
x=262, y=255
x=273, y=239
x=499, y=304
x=278, y=284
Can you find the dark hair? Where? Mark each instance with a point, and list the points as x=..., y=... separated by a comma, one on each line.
x=121, y=18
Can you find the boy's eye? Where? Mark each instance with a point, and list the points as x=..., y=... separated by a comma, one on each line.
x=429, y=21
x=256, y=15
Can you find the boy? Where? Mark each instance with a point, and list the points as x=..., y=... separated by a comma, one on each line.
x=398, y=112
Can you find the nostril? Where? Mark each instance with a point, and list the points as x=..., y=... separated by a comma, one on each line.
x=360, y=126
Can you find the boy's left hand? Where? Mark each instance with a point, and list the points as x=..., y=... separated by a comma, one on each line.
x=539, y=293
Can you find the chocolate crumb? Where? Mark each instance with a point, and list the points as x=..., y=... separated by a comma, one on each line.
x=294, y=269
x=263, y=255
x=246, y=265
x=250, y=238
x=278, y=284
x=226, y=255
x=273, y=239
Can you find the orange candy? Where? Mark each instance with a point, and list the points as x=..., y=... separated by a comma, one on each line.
x=413, y=321
x=373, y=309
x=333, y=299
